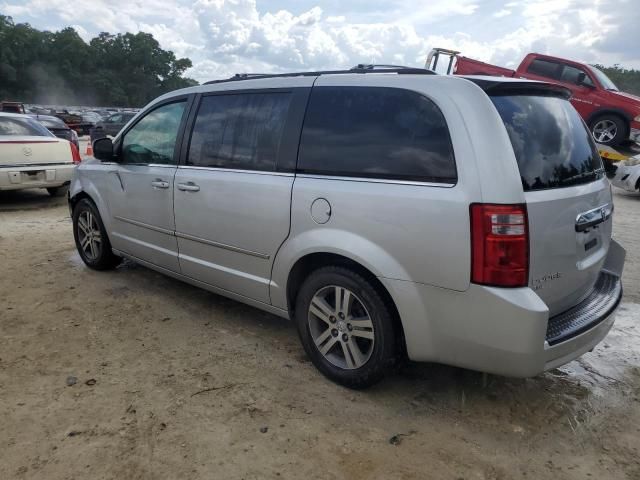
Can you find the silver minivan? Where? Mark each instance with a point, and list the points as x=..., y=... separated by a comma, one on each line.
x=389, y=212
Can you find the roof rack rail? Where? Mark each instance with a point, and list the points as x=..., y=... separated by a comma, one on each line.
x=360, y=68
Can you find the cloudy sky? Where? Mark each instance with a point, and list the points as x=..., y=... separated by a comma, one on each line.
x=223, y=37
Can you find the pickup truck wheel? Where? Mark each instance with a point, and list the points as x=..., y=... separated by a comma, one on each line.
x=609, y=130
x=91, y=237
x=345, y=326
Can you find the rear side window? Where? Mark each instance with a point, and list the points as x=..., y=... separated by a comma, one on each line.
x=15, y=126
x=239, y=131
x=376, y=132
x=552, y=145
x=545, y=68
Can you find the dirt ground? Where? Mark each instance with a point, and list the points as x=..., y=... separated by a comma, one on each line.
x=177, y=383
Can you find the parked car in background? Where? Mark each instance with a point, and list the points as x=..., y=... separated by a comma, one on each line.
x=12, y=107
x=32, y=157
x=89, y=121
x=58, y=128
x=111, y=125
x=387, y=211
x=612, y=116
x=627, y=174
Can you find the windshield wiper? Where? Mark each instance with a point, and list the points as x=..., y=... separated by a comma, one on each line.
x=580, y=176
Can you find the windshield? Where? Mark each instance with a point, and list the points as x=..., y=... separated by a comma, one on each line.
x=551, y=143
x=606, y=82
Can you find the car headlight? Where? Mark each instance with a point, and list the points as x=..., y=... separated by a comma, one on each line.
x=637, y=119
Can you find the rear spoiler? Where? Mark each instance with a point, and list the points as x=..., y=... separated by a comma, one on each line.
x=501, y=87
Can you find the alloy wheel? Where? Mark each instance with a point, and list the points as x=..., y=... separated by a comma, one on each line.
x=604, y=131
x=89, y=236
x=341, y=327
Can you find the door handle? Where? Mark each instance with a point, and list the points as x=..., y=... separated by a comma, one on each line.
x=188, y=187
x=157, y=183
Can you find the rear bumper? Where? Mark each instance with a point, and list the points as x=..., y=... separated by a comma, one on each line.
x=504, y=331
x=35, y=176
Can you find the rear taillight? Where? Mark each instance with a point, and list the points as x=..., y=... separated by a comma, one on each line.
x=75, y=154
x=499, y=245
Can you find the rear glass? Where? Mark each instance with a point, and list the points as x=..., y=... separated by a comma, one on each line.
x=553, y=147
x=15, y=126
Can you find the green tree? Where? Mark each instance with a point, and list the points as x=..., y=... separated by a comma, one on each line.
x=111, y=70
x=626, y=80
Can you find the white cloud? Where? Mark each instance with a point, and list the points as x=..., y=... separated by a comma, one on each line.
x=502, y=13
x=228, y=36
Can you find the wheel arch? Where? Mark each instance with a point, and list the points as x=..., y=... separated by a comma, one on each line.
x=87, y=190
x=310, y=262
x=609, y=111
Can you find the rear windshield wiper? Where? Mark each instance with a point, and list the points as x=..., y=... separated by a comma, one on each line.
x=580, y=176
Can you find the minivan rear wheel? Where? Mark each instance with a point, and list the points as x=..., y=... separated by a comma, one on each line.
x=91, y=237
x=345, y=326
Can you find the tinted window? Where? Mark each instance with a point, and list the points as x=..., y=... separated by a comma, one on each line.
x=572, y=75
x=545, y=68
x=153, y=138
x=22, y=126
x=551, y=143
x=239, y=131
x=376, y=132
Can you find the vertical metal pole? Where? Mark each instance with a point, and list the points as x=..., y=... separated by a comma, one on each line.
x=450, y=64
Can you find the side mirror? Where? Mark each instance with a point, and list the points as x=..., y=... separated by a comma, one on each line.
x=103, y=149
x=584, y=81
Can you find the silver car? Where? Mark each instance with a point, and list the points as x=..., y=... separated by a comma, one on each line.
x=388, y=212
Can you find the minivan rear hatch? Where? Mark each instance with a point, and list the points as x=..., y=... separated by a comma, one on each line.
x=567, y=195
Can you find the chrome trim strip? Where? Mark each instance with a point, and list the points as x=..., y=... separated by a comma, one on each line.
x=234, y=170
x=145, y=225
x=376, y=180
x=17, y=165
x=222, y=245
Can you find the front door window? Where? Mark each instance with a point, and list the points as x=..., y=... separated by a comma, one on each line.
x=153, y=139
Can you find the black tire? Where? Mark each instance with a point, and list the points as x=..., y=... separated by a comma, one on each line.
x=58, y=191
x=104, y=258
x=384, y=348
x=617, y=123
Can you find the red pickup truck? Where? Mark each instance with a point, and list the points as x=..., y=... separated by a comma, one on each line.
x=612, y=116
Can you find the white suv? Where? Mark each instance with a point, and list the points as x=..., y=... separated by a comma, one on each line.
x=386, y=211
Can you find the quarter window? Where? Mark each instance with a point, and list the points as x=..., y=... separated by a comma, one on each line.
x=239, y=131
x=376, y=132
x=153, y=138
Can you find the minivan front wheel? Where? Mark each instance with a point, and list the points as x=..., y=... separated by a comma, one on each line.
x=345, y=326
x=91, y=237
